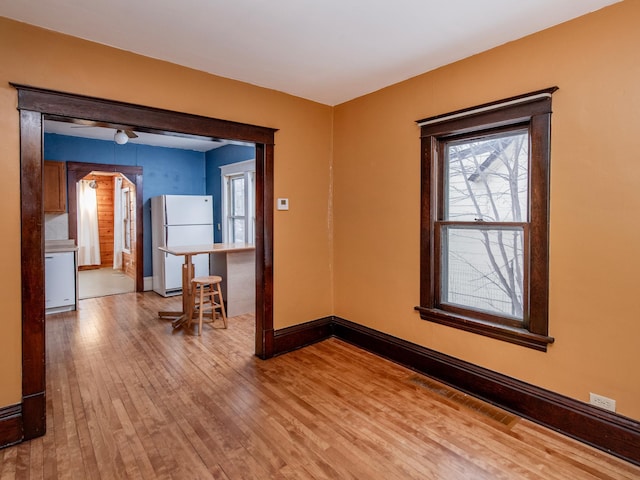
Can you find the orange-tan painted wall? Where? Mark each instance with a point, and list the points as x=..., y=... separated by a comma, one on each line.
x=302, y=253
x=595, y=203
x=349, y=244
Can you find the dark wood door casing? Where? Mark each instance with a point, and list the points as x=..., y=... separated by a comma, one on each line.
x=35, y=104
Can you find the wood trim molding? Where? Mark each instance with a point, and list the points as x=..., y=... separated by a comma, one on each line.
x=298, y=336
x=264, y=250
x=10, y=425
x=35, y=104
x=530, y=111
x=32, y=262
x=132, y=116
x=613, y=433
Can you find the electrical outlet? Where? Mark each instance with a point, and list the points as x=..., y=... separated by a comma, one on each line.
x=602, y=402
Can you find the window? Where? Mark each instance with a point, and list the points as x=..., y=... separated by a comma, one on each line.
x=484, y=219
x=238, y=204
x=126, y=220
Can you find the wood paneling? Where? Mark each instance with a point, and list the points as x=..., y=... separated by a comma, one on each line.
x=105, y=219
x=134, y=399
x=129, y=265
x=104, y=197
x=129, y=259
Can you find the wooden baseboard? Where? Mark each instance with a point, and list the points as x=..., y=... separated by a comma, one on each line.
x=34, y=417
x=10, y=425
x=298, y=336
x=599, y=428
x=604, y=430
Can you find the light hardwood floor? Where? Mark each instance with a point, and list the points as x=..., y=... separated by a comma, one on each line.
x=127, y=397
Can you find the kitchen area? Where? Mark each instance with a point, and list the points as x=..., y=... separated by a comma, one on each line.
x=192, y=174
x=89, y=220
x=61, y=253
x=183, y=238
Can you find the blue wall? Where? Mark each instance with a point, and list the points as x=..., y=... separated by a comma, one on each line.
x=214, y=160
x=165, y=171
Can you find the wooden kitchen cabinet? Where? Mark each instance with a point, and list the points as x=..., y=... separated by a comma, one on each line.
x=55, y=187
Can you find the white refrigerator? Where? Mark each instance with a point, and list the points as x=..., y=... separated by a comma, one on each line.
x=179, y=220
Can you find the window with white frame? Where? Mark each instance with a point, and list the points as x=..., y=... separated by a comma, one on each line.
x=238, y=202
x=126, y=220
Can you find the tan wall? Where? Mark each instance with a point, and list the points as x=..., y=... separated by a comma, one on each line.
x=595, y=203
x=374, y=250
x=41, y=58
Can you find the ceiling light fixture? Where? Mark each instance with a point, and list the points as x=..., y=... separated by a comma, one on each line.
x=120, y=137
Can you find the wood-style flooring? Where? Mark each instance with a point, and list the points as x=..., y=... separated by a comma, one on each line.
x=127, y=397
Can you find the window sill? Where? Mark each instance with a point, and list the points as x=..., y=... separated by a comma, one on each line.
x=518, y=336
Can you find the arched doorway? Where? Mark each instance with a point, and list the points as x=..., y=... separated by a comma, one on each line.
x=79, y=170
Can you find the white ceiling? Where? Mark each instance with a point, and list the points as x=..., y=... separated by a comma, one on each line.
x=167, y=140
x=329, y=51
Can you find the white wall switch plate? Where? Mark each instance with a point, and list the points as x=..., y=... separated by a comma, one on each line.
x=282, y=204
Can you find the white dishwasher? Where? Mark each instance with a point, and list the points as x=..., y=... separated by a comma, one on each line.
x=60, y=281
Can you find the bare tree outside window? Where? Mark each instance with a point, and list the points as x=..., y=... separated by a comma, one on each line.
x=487, y=184
x=484, y=219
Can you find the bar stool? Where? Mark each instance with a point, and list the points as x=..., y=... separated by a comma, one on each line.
x=204, y=291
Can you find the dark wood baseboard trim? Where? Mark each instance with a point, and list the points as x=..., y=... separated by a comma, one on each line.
x=298, y=336
x=604, y=430
x=34, y=419
x=599, y=428
x=10, y=425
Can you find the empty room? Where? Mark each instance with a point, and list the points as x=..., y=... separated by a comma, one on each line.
x=340, y=239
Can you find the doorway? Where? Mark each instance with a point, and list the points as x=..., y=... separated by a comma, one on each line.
x=35, y=104
x=103, y=175
x=106, y=235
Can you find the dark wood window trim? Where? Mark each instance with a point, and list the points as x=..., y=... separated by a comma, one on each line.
x=532, y=110
x=35, y=104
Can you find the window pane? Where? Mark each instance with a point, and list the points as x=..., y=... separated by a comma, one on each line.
x=482, y=269
x=487, y=178
x=237, y=196
x=237, y=230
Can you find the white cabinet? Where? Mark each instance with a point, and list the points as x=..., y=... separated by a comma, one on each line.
x=60, y=281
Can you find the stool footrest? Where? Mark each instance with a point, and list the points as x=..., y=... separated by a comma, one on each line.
x=206, y=300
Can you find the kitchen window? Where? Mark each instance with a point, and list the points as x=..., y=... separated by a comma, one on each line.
x=238, y=202
x=484, y=219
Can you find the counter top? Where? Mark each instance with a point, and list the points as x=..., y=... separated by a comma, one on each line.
x=208, y=248
x=55, y=246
